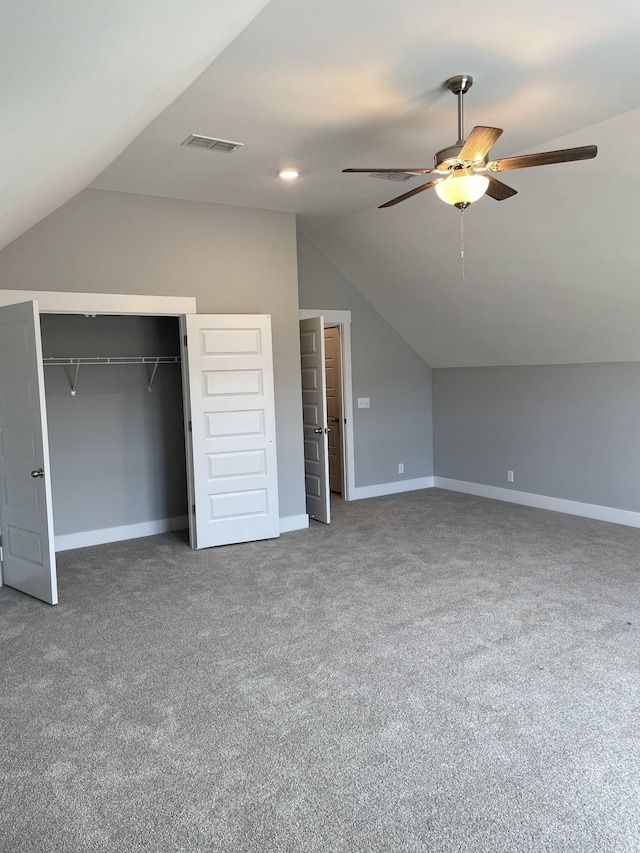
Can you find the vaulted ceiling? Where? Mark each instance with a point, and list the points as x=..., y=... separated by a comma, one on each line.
x=551, y=274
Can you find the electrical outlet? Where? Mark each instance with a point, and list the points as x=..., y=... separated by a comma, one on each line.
x=363, y=402
x=509, y=476
x=400, y=467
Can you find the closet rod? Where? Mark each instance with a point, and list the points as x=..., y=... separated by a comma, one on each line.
x=155, y=360
x=116, y=359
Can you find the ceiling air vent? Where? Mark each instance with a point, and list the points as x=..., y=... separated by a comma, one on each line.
x=211, y=144
x=393, y=176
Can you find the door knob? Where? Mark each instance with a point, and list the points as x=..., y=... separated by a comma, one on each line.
x=37, y=472
x=319, y=430
x=335, y=420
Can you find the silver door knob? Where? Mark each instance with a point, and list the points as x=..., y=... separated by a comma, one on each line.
x=37, y=472
x=319, y=430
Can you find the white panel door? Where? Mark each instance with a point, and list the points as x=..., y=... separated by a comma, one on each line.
x=314, y=419
x=231, y=449
x=26, y=518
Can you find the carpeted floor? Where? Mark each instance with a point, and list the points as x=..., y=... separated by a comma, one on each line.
x=432, y=673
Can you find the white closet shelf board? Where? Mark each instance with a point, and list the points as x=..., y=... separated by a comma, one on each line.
x=113, y=359
x=67, y=302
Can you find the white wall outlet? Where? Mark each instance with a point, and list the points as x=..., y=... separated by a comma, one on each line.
x=400, y=467
x=363, y=402
x=509, y=476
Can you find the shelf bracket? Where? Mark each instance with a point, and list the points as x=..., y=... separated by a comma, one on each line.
x=153, y=374
x=75, y=379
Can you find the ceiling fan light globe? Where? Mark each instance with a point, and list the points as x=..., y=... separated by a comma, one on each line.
x=462, y=189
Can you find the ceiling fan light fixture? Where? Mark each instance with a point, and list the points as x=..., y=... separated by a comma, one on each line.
x=462, y=190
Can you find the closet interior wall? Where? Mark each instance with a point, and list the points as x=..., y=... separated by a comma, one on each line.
x=117, y=450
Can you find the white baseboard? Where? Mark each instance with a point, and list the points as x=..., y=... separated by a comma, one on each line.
x=600, y=513
x=359, y=492
x=68, y=541
x=294, y=522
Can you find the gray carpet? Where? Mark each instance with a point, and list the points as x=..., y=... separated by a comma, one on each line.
x=432, y=672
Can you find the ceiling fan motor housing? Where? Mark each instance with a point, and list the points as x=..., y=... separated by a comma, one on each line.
x=447, y=158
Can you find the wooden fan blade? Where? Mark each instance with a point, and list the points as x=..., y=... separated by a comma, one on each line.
x=544, y=158
x=412, y=192
x=479, y=143
x=417, y=171
x=498, y=190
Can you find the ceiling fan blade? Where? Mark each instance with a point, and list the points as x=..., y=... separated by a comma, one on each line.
x=412, y=192
x=544, y=158
x=498, y=190
x=417, y=171
x=479, y=143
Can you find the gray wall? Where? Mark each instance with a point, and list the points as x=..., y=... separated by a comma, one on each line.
x=233, y=260
x=117, y=450
x=567, y=431
x=397, y=427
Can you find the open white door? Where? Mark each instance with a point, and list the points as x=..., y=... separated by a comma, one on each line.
x=26, y=518
x=314, y=419
x=231, y=446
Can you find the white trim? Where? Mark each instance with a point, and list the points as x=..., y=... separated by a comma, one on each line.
x=394, y=488
x=64, y=302
x=329, y=315
x=86, y=538
x=294, y=522
x=600, y=513
x=342, y=319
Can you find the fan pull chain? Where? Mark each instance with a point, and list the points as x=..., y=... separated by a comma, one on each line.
x=462, y=243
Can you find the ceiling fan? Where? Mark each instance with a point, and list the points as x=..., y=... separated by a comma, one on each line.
x=463, y=172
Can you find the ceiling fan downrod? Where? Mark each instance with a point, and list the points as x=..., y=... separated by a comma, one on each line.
x=460, y=85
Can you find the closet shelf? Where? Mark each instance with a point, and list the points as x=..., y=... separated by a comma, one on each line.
x=116, y=359
x=153, y=360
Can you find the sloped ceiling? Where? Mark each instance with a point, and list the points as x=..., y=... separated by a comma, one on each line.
x=80, y=80
x=551, y=276
x=326, y=84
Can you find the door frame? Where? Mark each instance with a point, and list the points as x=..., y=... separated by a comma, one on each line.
x=342, y=319
x=66, y=302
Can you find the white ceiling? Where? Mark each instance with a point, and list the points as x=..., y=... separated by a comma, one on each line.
x=326, y=84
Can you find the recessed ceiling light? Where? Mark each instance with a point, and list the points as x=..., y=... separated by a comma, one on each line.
x=288, y=174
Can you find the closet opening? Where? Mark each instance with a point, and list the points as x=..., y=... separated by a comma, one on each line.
x=114, y=397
